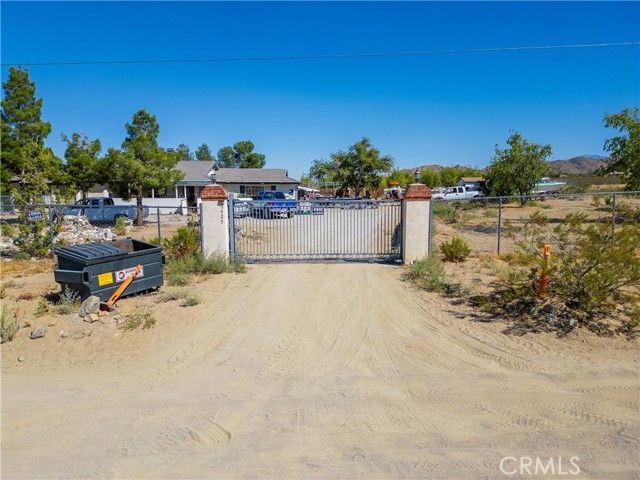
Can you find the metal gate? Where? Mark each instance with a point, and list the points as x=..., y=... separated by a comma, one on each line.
x=366, y=230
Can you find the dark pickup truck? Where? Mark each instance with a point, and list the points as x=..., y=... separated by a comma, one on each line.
x=273, y=204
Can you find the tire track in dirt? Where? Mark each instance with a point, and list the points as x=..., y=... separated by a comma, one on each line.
x=206, y=341
x=343, y=333
x=435, y=343
x=321, y=371
x=285, y=358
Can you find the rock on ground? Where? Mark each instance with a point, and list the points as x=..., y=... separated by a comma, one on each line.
x=89, y=306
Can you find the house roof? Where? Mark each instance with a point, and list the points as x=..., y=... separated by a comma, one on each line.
x=472, y=179
x=195, y=171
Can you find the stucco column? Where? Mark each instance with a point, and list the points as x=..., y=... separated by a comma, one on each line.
x=215, y=220
x=415, y=223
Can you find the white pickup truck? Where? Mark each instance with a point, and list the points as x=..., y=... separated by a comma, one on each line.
x=458, y=193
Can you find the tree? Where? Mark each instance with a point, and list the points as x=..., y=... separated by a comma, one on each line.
x=21, y=125
x=227, y=159
x=517, y=169
x=36, y=165
x=82, y=157
x=321, y=171
x=306, y=181
x=141, y=164
x=625, y=149
x=241, y=155
x=360, y=167
x=431, y=178
x=400, y=177
x=203, y=154
x=184, y=154
x=450, y=175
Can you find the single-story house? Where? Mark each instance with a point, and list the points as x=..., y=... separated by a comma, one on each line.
x=475, y=182
x=244, y=182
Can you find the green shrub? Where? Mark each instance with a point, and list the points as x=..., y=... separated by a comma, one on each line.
x=237, y=266
x=191, y=301
x=68, y=301
x=457, y=250
x=427, y=273
x=444, y=211
x=171, y=296
x=139, y=316
x=149, y=322
x=462, y=220
x=176, y=279
x=470, y=205
x=33, y=238
x=42, y=309
x=185, y=243
x=511, y=276
x=491, y=213
x=594, y=265
x=9, y=325
x=120, y=226
x=7, y=230
x=201, y=265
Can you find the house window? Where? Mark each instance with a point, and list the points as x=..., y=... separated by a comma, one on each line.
x=242, y=190
x=273, y=187
x=251, y=190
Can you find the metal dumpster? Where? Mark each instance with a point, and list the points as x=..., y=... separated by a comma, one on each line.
x=99, y=268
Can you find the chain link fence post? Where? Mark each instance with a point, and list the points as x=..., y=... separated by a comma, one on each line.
x=51, y=220
x=430, y=246
x=158, y=220
x=613, y=215
x=200, y=216
x=499, y=222
x=232, y=229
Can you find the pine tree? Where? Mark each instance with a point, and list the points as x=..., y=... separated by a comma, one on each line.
x=23, y=134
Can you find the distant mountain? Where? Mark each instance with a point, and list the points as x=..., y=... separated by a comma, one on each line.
x=582, y=165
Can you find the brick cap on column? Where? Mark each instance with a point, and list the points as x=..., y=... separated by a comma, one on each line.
x=213, y=192
x=417, y=191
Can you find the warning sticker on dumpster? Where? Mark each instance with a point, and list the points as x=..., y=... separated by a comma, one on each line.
x=105, y=279
x=122, y=275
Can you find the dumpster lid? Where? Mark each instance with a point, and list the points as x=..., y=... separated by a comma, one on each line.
x=90, y=251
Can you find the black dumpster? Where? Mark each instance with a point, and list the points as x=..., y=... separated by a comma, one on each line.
x=99, y=268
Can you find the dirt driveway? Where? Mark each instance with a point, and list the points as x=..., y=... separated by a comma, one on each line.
x=318, y=371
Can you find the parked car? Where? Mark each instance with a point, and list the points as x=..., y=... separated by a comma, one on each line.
x=273, y=204
x=241, y=208
x=103, y=210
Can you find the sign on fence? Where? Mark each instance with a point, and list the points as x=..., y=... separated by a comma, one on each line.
x=35, y=215
x=318, y=211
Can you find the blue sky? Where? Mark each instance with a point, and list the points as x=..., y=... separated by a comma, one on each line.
x=446, y=109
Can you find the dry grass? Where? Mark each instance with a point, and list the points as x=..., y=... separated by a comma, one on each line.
x=26, y=296
x=21, y=268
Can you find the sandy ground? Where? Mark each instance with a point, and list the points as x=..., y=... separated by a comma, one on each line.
x=316, y=371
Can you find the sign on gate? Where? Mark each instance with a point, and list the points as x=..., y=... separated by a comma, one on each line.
x=318, y=211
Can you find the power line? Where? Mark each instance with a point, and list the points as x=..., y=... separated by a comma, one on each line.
x=322, y=57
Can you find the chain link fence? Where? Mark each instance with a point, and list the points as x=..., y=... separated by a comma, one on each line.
x=487, y=224
x=35, y=230
x=490, y=224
